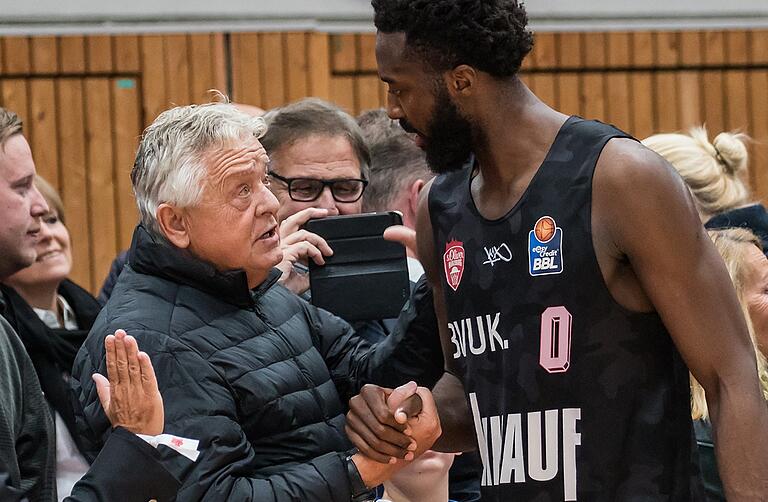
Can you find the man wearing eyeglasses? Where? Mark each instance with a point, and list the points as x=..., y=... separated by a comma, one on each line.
x=318, y=167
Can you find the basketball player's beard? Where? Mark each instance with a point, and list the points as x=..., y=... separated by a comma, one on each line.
x=449, y=134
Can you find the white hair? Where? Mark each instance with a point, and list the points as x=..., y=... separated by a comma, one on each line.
x=170, y=166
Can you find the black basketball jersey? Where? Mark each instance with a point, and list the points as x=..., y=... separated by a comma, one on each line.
x=573, y=396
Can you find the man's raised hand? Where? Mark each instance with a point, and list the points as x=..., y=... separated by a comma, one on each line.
x=130, y=396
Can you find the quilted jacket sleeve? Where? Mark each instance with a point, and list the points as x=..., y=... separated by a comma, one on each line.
x=200, y=405
x=411, y=352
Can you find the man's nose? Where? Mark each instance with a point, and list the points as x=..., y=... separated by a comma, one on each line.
x=394, y=110
x=38, y=206
x=326, y=201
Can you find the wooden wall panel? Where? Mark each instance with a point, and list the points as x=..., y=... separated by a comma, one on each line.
x=43, y=128
x=74, y=178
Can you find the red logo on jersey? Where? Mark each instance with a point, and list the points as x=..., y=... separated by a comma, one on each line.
x=453, y=259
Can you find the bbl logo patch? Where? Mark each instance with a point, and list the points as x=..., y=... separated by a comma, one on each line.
x=453, y=260
x=545, y=248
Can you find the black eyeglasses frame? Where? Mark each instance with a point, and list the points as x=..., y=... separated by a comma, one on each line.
x=326, y=183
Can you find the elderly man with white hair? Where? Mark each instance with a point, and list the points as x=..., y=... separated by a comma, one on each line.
x=256, y=374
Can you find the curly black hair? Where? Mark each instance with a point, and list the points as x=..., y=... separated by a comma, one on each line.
x=490, y=35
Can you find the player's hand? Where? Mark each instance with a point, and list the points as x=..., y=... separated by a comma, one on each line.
x=130, y=396
x=372, y=426
x=404, y=235
x=299, y=246
x=420, y=412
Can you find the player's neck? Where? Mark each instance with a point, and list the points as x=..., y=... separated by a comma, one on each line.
x=518, y=129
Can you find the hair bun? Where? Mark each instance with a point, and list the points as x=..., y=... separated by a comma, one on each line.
x=731, y=151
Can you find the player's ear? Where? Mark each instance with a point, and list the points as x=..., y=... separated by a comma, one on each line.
x=461, y=81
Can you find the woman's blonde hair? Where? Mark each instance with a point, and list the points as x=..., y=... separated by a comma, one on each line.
x=51, y=197
x=713, y=171
x=733, y=244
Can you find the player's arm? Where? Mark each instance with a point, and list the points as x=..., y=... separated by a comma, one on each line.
x=371, y=425
x=643, y=209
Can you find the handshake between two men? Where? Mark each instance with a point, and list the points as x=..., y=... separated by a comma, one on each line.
x=390, y=428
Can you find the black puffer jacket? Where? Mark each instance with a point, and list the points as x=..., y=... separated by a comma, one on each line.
x=260, y=377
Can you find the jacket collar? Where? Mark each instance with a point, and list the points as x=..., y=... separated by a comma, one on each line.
x=152, y=256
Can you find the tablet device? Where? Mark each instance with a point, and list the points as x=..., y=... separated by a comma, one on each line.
x=367, y=276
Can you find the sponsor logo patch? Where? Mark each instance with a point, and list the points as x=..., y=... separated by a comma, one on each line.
x=453, y=260
x=545, y=248
x=497, y=253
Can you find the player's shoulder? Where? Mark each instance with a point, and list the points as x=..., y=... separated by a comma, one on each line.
x=626, y=166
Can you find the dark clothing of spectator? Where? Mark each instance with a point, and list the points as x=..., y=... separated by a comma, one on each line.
x=260, y=376
x=114, y=272
x=53, y=350
x=710, y=477
x=127, y=469
x=753, y=217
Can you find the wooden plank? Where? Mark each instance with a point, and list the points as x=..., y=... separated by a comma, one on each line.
x=759, y=47
x=367, y=90
x=319, y=65
x=99, y=53
x=297, y=67
x=737, y=108
x=42, y=128
x=273, y=70
x=100, y=161
x=667, y=48
x=568, y=93
x=691, y=51
x=177, y=90
x=201, y=68
x=544, y=54
x=72, y=54
x=643, y=109
x=643, y=53
x=689, y=88
x=15, y=97
x=593, y=96
x=619, y=102
x=712, y=87
x=737, y=47
x=17, y=55
x=2, y=57
x=759, y=162
x=126, y=128
x=619, y=49
x=152, y=77
x=246, y=74
x=343, y=53
x=545, y=85
x=714, y=48
x=74, y=187
x=595, y=49
x=127, y=54
x=219, y=63
x=45, y=55
x=569, y=50
x=667, y=104
x=343, y=93
x=366, y=50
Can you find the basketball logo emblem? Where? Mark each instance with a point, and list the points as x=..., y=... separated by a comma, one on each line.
x=545, y=247
x=544, y=229
x=453, y=261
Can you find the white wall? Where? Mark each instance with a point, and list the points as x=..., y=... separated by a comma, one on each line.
x=341, y=15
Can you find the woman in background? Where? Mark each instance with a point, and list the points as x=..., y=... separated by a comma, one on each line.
x=54, y=316
x=748, y=267
x=714, y=173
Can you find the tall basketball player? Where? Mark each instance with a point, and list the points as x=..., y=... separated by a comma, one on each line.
x=573, y=282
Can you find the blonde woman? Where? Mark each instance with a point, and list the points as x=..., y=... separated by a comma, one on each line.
x=748, y=267
x=714, y=172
